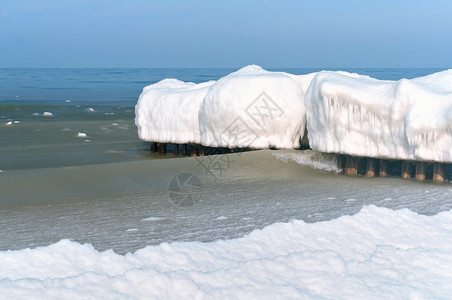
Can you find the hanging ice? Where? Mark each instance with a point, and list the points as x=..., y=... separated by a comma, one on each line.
x=361, y=116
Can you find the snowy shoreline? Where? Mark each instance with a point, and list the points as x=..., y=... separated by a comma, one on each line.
x=352, y=257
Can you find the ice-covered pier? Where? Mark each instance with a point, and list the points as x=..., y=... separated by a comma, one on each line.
x=376, y=127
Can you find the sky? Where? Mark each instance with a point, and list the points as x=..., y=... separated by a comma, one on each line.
x=233, y=33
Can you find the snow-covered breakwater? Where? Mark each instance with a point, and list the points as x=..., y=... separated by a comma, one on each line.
x=339, y=112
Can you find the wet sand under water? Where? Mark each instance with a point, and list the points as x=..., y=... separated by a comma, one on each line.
x=125, y=206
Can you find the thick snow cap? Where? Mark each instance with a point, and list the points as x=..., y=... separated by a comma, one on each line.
x=167, y=111
x=358, y=115
x=253, y=108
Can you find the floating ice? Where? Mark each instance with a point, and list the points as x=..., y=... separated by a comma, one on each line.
x=47, y=114
x=362, y=116
x=90, y=109
x=253, y=108
x=153, y=219
x=167, y=111
x=81, y=134
x=352, y=257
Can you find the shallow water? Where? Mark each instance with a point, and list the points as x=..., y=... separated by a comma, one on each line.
x=126, y=206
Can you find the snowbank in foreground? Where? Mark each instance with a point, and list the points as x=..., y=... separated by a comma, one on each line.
x=359, y=115
x=167, y=111
x=253, y=108
x=375, y=254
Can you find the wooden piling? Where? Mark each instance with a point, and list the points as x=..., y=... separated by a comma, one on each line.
x=193, y=150
x=175, y=148
x=371, y=165
x=420, y=171
x=201, y=150
x=154, y=147
x=438, y=172
x=351, y=166
x=162, y=148
x=340, y=159
x=383, y=168
x=406, y=169
x=184, y=149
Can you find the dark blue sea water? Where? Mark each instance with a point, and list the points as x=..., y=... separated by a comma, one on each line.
x=123, y=86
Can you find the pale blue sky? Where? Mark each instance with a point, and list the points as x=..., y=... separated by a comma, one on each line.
x=176, y=33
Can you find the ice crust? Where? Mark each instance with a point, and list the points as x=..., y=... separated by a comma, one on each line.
x=343, y=112
x=253, y=108
x=352, y=257
x=167, y=111
x=358, y=115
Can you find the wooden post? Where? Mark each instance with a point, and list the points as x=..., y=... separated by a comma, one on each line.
x=406, y=169
x=340, y=162
x=351, y=166
x=193, y=150
x=154, y=147
x=438, y=172
x=162, y=147
x=420, y=171
x=175, y=148
x=370, y=167
x=184, y=149
x=383, y=168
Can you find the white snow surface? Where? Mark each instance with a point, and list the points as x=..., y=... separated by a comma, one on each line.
x=253, y=108
x=167, y=111
x=376, y=254
x=358, y=115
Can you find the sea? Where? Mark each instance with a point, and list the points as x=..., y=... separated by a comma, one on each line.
x=73, y=168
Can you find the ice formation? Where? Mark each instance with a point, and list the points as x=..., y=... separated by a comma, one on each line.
x=362, y=116
x=167, y=111
x=253, y=108
x=344, y=112
x=292, y=260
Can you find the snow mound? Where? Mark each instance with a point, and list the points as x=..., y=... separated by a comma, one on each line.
x=358, y=115
x=167, y=111
x=352, y=257
x=253, y=108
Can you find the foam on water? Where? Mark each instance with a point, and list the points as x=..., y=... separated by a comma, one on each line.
x=311, y=158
